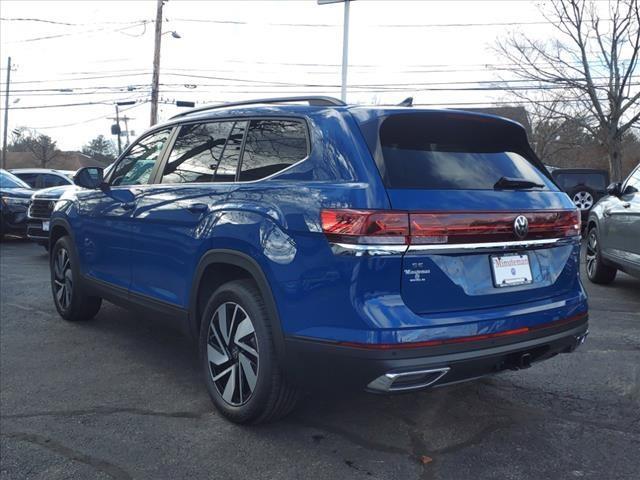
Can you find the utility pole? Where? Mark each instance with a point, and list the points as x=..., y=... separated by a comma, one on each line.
x=6, y=115
x=126, y=127
x=155, y=80
x=118, y=129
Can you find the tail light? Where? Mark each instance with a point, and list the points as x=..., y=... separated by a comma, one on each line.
x=366, y=226
x=393, y=227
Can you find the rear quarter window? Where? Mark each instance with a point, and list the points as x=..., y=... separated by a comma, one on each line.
x=271, y=146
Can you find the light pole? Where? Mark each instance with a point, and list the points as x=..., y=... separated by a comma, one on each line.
x=345, y=44
x=6, y=115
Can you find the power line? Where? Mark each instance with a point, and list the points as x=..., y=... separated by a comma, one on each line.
x=63, y=105
x=93, y=119
x=67, y=34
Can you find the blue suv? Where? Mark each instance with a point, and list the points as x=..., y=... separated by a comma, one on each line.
x=304, y=243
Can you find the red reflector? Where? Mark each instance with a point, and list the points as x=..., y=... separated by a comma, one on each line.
x=365, y=226
x=471, y=338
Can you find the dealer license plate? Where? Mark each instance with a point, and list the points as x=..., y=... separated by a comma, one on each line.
x=511, y=270
x=45, y=226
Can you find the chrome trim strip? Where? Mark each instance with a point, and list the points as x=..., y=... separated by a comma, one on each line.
x=384, y=383
x=491, y=245
x=366, y=250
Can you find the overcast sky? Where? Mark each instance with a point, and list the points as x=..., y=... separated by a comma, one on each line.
x=103, y=51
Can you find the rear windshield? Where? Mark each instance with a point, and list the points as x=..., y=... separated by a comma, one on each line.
x=452, y=155
x=594, y=181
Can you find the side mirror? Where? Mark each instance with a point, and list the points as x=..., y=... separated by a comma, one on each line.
x=615, y=189
x=89, y=177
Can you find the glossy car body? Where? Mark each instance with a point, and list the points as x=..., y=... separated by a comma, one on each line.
x=14, y=200
x=44, y=177
x=615, y=219
x=353, y=314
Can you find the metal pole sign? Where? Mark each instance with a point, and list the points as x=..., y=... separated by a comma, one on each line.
x=345, y=44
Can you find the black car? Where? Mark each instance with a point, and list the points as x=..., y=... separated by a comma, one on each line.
x=14, y=201
x=585, y=186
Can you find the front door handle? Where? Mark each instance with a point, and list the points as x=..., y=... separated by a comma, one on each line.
x=127, y=205
x=626, y=204
x=197, y=207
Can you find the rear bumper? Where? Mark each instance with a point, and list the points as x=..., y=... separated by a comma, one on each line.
x=331, y=365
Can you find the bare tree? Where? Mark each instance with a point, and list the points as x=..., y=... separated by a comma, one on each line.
x=586, y=75
x=42, y=147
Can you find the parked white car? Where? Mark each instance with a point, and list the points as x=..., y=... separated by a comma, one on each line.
x=44, y=177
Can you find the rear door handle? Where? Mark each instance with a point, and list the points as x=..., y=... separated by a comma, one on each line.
x=626, y=204
x=127, y=205
x=197, y=207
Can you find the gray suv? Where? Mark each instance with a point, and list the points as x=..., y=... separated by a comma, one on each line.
x=613, y=238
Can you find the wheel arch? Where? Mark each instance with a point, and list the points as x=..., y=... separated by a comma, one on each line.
x=217, y=267
x=59, y=228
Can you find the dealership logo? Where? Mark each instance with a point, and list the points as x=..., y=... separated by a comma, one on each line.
x=521, y=226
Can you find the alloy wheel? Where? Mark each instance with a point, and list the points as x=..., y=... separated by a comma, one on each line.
x=592, y=253
x=583, y=200
x=63, y=278
x=232, y=352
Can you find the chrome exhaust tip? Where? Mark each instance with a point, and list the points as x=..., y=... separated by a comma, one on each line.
x=407, y=381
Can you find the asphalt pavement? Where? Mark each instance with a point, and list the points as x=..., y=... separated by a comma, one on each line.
x=121, y=397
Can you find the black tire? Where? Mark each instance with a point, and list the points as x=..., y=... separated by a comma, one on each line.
x=72, y=303
x=272, y=396
x=597, y=271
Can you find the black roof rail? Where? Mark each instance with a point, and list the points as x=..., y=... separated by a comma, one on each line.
x=312, y=100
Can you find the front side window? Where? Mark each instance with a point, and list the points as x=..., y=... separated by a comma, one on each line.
x=135, y=168
x=205, y=152
x=633, y=183
x=271, y=146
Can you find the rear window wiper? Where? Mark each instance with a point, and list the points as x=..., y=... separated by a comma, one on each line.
x=506, y=183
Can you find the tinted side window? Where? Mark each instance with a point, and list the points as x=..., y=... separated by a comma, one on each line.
x=271, y=146
x=135, y=168
x=53, y=181
x=201, y=154
x=30, y=178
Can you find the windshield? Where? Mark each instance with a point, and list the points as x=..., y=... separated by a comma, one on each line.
x=8, y=180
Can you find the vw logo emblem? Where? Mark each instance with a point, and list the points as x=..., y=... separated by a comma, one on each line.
x=521, y=226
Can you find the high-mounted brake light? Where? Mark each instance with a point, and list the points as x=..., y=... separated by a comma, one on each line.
x=383, y=227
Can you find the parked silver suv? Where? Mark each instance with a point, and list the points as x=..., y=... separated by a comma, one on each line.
x=613, y=239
